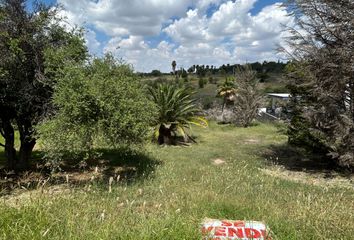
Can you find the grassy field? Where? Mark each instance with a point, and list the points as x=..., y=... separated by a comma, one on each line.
x=173, y=188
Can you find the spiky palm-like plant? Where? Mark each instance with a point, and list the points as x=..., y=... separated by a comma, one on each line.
x=177, y=112
x=227, y=91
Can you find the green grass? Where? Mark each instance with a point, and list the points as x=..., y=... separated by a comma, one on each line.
x=171, y=201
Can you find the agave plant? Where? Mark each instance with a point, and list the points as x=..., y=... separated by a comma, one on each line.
x=176, y=112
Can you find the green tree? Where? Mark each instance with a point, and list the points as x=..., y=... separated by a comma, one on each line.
x=156, y=73
x=100, y=104
x=28, y=40
x=176, y=112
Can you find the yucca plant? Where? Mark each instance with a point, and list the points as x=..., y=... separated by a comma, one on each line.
x=177, y=111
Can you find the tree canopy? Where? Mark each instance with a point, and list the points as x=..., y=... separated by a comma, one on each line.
x=33, y=47
x=97, y=104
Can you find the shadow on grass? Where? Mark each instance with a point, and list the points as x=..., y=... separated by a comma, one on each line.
x=122, y=165
x=297, y=159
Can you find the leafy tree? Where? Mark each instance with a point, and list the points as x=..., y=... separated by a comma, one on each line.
x=248, y=98
x=176, y=112
x=191, y=69
x=155, y=73
x=29, y=40
x=101, y=101
x=321, y=75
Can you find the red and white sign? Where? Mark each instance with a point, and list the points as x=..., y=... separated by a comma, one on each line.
x=213, y=229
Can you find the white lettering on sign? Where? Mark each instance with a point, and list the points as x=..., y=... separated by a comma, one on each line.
x=228, y=229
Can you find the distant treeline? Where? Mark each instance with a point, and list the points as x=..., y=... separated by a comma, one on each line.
x=206, y=70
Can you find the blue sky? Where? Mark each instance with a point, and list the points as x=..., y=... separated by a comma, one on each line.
x=149, y=34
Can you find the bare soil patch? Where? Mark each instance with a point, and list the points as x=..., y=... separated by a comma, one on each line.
x=252, y=141
x=329, y=179
x=218, y=161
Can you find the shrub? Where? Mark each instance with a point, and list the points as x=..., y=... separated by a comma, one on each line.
x=201, y=82
x=177, y=111
x=103, y=100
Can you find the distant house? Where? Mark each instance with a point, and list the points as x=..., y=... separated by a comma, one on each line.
x=278, y=97
x=277, y=105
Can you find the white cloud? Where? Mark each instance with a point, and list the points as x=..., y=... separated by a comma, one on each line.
x=190, y=29
x=122, y=17
x=92, y=43
x=230, y=34
x=135, y=51
x=231, y=18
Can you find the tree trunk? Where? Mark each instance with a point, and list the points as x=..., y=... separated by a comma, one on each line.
x=351, y=98
x=25, y=153
x=10, y=151
x=27, y=144
x=223, y=104
x=165, y=135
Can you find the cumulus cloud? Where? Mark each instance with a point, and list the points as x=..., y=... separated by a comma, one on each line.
x=190, y=29
x=210, y=32
x=231, y=34
x=92, y=43
x=122, y=17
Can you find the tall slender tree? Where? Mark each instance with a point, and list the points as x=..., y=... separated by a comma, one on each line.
x=174, y=64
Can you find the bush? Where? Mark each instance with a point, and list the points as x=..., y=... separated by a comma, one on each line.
x=101, y=101
x=201, y=82
x=155, y=73
x=213, y=80
x=177, y=111
x=156, y=82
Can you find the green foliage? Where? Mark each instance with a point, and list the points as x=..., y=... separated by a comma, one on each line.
x=154, y=83
x=262, y=76
x=155, y=73
x=300, y=129
x=228, y=87
x=55, y=58
x=212, y=80
x=176, y=112
x=33, y=47
x=102, y=100
x=201, y=82
x=227, y=91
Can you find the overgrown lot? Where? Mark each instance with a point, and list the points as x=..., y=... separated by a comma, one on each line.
x=167, y=191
